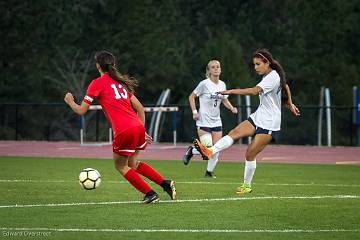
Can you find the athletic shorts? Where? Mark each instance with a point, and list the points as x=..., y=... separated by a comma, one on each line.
x=259, y=130
x=130, y=140
x=211, y=129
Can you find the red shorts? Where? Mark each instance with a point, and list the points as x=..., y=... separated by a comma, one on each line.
x=130, y=140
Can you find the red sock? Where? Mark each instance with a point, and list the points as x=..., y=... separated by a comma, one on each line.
x=147, y=171
x=137, y=181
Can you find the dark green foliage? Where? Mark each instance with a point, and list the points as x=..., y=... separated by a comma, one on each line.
x=166, y=44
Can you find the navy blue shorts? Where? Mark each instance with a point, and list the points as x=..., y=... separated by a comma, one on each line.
x=259, y=130
x=211, y=129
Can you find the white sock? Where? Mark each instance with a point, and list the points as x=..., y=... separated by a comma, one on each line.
x=195, y=151
x=222, y=144
x=249, y=171
x=211, y=163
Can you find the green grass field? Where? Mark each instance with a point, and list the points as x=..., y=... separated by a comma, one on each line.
x=41, y=198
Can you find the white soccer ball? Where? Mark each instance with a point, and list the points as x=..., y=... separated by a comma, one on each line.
x=89, y=178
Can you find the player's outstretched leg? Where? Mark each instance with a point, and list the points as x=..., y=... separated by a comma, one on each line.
x=121, y=164
x=147, y=171
x=205, y=152
x=188, y=155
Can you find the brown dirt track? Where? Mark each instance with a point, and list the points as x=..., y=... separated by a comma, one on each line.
x=272, y=153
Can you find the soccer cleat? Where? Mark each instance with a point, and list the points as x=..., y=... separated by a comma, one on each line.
x=244, y=188
x=206, y=153
x=209, y=174
x=151, y=197
x=188, y=155
x=169, y=187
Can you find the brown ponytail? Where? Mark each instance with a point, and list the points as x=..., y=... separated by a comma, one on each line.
x=266, y=56
x=130, y=83
x=106, y=60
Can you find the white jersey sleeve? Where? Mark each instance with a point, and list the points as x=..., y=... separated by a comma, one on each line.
x=268, y=84
x=200, y=89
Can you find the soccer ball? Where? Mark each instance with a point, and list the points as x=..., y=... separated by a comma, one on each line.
x=89, y=178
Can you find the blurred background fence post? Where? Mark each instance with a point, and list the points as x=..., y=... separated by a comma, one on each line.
x=356, y=113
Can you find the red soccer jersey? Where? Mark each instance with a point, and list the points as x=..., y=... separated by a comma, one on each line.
x=115, y=102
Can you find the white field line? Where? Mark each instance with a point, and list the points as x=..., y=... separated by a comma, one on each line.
x=137, y=230
x=275, y=184
x=31, y=181
x=185, y=201
x=209, y=183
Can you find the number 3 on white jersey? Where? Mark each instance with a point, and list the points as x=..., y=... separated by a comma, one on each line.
x=119, y=95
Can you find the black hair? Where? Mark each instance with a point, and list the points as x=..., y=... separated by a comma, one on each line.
x=266, y=56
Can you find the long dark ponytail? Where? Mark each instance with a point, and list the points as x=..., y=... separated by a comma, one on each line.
x=266, y=56
x=106, y=60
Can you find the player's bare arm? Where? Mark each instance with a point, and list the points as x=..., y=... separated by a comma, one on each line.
x=242, y=91
x=292, y=107
x=79, y=109
x=192, y=98
x=229, y=106
x=138, y=107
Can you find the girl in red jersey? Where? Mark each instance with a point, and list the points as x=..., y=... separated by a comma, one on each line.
x=115, y=93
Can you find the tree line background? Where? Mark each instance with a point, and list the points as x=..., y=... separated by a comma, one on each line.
x=47, y=47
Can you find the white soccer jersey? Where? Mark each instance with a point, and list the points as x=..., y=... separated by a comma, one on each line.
x=268, y=114
x=209, y=102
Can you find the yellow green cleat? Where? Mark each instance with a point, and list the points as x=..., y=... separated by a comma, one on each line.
x=244, y=188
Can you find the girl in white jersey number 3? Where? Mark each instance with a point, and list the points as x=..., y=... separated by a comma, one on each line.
x=265, y=122
x=208, y=121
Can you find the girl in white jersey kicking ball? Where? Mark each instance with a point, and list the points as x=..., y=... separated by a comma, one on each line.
x=208, y=121
x=265, y=122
